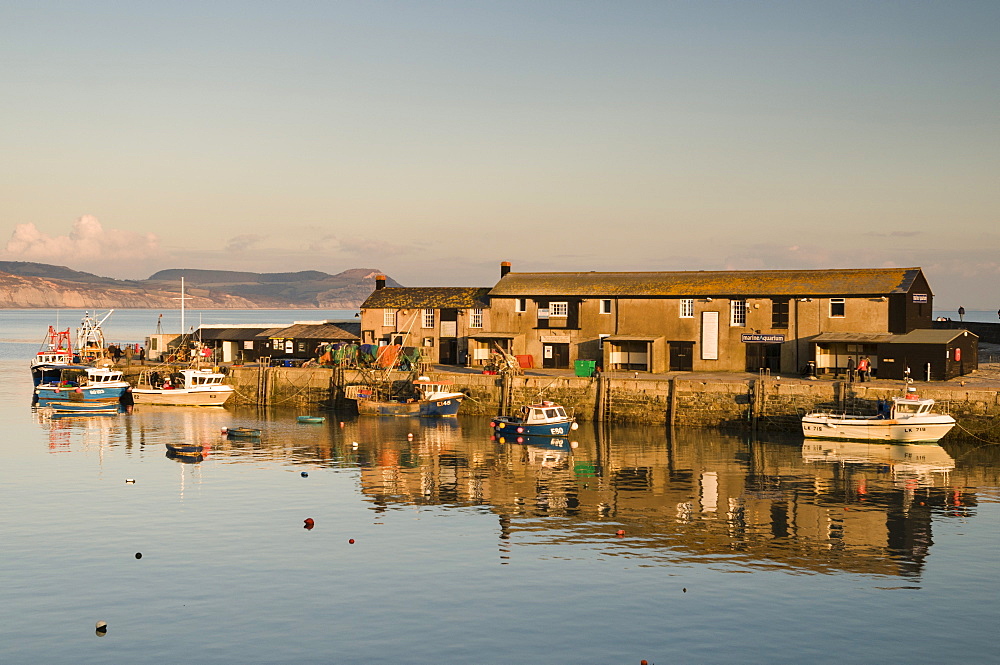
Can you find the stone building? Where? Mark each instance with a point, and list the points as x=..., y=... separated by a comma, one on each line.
x=439, y=320
x=740, y=320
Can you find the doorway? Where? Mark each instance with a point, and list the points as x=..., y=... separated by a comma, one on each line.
x=681, y=356
x=763, y=357
x=555, y=356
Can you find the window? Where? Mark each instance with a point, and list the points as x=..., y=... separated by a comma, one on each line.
x=837, y=307
x=558, y=309
x=737, y=312
x=475, y=318
x=520, y=304
x=428, y=318
x=687, y=308
x=779, y=312
x=606, y=306
x=389, y=318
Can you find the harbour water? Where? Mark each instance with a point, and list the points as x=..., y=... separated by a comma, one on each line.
x=431, y=543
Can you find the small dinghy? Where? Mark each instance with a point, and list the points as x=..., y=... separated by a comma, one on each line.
x=311, y=419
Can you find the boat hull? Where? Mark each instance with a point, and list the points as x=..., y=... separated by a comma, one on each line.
x=430, y=408
x=514, y=428
x=924, y=430
x=84, y=407
x=48, y=394
x=217, y=396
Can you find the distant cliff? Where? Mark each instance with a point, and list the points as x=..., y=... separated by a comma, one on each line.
x=39, y=285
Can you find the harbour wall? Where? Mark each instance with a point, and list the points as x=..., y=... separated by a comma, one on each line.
x=764, y=403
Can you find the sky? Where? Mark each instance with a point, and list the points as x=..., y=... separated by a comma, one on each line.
x=435, y=139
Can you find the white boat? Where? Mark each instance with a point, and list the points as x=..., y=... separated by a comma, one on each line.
x=187, y=387
x=908, y=419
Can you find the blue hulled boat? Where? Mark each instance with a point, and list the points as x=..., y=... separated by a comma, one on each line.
x=542, y=419
x=78, y=383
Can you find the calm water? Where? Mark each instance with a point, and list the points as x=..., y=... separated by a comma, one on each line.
x=470, y=551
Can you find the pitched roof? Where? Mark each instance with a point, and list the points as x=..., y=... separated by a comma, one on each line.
x=428, y=297
x=323, y=331
x=703, y=283
x=228, y=334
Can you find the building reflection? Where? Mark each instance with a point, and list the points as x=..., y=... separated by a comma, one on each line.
x=817, y=506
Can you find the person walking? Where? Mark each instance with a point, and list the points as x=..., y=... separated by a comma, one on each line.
x=850, y=369
x=864, y=366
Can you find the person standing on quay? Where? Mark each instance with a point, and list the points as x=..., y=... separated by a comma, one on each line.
x=850, y=369
x=864, y=366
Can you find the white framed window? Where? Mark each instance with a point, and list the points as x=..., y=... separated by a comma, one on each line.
x=838, y=308
x=428, y=318
x=687, y=308
x=606, y=306
x=520, y=304
x=737, y=312
x=558, y=309
x=475, y=318
x=389, y=318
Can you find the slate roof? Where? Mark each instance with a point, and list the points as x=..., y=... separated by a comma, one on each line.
x=428, y=297
x=706, y=283
x=323, y=331
x=228, y=334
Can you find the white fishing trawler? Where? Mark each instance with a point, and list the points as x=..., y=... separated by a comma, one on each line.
x=186, y=387
x=908, y=419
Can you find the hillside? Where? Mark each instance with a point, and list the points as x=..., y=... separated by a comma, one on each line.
x=39, y=285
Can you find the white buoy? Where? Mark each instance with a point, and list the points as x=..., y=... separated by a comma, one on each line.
x=354, y=444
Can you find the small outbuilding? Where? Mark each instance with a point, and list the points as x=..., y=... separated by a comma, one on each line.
x=929, y=355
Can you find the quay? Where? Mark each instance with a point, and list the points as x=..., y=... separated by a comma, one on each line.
x=731, y=401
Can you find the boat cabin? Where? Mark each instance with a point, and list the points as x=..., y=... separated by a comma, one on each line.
x=89, y=376
x=433, y=389
x=545, y=412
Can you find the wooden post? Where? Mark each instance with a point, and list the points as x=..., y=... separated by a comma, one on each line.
x=673, y=402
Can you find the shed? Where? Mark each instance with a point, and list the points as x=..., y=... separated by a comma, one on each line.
x=299, y=341
x=929, y=355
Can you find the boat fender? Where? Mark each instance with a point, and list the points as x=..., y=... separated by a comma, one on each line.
x=520, y=430
x=574, y=426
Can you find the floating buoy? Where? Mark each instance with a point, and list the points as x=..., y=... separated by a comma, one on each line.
x=309, y=523
x=685, y=589
x=130, y=481
x=138, y=555
x=410, y=435
x=351, y=541
x=354, y=444
x=101, y=628
x=341, y=423
x=225, y=430
x=304, y=474
x=620, y=533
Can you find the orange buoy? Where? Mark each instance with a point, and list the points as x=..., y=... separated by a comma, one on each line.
x=309, y=523
x=621, y=533
x=351, y=541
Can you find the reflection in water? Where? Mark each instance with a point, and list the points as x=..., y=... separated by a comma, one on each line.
x=699, y=496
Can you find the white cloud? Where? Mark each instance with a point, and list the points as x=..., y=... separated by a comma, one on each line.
x=241, y=243
x=87, y=242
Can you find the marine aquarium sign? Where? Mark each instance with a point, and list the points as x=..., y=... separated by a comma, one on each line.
x=751, y=338
x=919, y=297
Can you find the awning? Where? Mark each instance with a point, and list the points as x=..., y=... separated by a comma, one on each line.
x=852, y=338
x=493, y=335
x=631, y=338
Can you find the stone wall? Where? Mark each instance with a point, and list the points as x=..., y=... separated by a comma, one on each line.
x=723, y=402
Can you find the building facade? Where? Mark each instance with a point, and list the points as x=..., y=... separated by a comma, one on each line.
x=706, y=320
x=437, y=320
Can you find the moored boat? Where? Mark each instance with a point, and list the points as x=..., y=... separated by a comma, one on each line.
x=427, y=399
x=311, y=419
x=907, y=419
x=77, y=383
x=541, y=419
x=242, y=433
x=55, y=355
x=84, y=407
x=187, y=387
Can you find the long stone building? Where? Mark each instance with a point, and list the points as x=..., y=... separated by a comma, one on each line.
x=787, y=321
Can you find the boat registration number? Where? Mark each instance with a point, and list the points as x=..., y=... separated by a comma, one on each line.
x=97, y=392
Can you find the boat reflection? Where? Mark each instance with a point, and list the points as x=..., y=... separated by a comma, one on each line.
x=187, y=454
x=926, y=464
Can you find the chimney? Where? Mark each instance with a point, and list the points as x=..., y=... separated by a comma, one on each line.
x=379, y=282
x=504, y=268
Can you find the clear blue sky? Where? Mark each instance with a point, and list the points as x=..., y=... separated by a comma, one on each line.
x=433, y=140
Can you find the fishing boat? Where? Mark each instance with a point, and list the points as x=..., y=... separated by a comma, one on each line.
x=78, y=383
x=423, y=397
x=186, y=387
x=90, y=346
x=542, y=419
x=907, y=419
x=55, y=355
